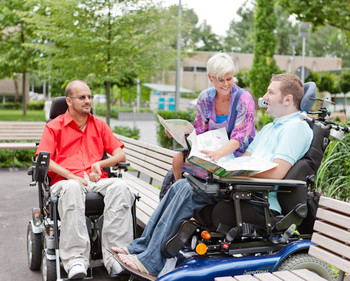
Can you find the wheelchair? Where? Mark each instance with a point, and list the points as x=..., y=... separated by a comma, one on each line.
x=215, y=244
x=44, y=228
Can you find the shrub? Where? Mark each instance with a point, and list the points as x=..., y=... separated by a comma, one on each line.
x=23, y=158
x=133, y=133
x=36, y=105
x=333, y=178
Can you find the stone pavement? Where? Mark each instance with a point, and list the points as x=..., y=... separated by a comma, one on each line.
x=148, y=128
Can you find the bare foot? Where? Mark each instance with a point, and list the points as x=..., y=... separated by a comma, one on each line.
x=125, y=259
x=119, y=250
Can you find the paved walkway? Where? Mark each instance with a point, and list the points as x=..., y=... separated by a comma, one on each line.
x=148, y=129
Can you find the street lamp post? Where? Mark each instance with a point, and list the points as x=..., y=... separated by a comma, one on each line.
x=293, y=41
x=178, y=63
x=304, y=31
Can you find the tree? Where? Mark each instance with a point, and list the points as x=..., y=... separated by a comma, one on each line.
x=15, y=54
x=104, y=41
x=240, y=35
x=264, y=47
x=321, y=12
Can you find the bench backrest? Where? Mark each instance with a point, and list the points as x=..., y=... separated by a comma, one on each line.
x=146, y=158
x=13, y=131
x=332, y=233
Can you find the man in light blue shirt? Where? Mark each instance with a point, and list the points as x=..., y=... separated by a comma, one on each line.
x=287, y=138
x=284, y=142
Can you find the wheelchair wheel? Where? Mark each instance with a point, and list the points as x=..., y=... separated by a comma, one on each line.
x=34, y=248
x=301, y=261
x=48, y=269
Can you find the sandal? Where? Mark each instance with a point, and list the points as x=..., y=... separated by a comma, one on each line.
x=142, y=272
x=125, y=249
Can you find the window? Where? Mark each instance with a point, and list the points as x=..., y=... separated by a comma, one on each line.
x=189, y=68
x=201, y=69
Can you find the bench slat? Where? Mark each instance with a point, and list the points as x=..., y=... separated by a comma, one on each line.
x=287, y=275
x=330, y=258
x=266, y=276
x=334, y=217
x=332, y=231
x=334, y=204
x=244, y=278
x=307, y=275
x=334, y=246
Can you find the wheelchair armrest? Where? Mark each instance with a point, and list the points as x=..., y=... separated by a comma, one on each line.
x=115, y=170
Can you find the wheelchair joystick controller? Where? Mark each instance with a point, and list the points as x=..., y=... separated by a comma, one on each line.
x=42, y=166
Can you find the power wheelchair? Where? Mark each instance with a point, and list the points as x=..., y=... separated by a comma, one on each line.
x=44, y=227
x=214, y=244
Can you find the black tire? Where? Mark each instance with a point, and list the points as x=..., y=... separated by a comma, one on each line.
x=48, y=269
x=301, y=261
x=34, y=248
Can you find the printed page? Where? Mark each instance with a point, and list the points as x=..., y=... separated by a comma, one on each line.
x=177, y=128
x=226, y=166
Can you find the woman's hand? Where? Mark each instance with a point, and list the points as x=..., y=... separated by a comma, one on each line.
x=212, y=155
x=168, y=134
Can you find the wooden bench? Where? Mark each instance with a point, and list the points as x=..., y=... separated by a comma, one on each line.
x=332, y=245
x=20, y=135
x=151, y=163
x=12, y=132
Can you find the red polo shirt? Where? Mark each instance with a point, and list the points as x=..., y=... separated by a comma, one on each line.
x=74, y=149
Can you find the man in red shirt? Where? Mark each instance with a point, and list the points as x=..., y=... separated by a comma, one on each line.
x=77, y=141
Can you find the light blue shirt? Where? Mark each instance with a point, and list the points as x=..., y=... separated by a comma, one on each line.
x=287, y=138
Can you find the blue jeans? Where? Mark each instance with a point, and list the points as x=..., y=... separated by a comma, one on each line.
x=179, y=203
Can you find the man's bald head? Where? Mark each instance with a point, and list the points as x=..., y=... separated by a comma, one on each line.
x=75, y=85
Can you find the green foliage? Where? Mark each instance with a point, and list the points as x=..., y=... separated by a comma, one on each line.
x=319, y=12
x=133, y=133
x=36, y=105
x=327, y=83
x=23, y=158
x=262, y=119
x=242, y=78
x=264, y=47
x=17, y=115
x=344, y=82
x=162, y=138
x=333, y=178
x=10, y=105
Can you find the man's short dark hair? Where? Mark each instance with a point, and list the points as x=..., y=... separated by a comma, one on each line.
x=290, y=85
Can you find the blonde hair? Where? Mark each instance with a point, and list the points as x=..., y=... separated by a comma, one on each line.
x=220, y=64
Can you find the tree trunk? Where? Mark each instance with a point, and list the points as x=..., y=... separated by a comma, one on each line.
x=24, y=96
x=108, y=102
x=16, y=90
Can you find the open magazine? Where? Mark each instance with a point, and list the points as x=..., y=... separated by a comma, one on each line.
x=226, y=166
x=178, y=128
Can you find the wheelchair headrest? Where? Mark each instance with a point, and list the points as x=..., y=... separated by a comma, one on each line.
x=309, y=96
x=58, y=106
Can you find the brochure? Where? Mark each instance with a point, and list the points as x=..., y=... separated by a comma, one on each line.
x=178, y=128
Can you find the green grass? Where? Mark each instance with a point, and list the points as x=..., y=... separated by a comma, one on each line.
x=17, y=115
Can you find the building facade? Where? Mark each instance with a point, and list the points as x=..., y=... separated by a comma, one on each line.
x=194, y=73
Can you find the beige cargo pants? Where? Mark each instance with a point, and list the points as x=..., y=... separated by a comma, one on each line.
x=117, y=223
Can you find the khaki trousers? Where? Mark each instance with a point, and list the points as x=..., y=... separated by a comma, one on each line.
x=117, y=223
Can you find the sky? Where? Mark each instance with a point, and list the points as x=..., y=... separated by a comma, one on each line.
x=217, y=13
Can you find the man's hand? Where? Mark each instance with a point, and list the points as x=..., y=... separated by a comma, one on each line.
x=81, y=180
x=96, y=173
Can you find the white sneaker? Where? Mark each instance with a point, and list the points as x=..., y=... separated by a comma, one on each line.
x=77, y=271
x=115, y=269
